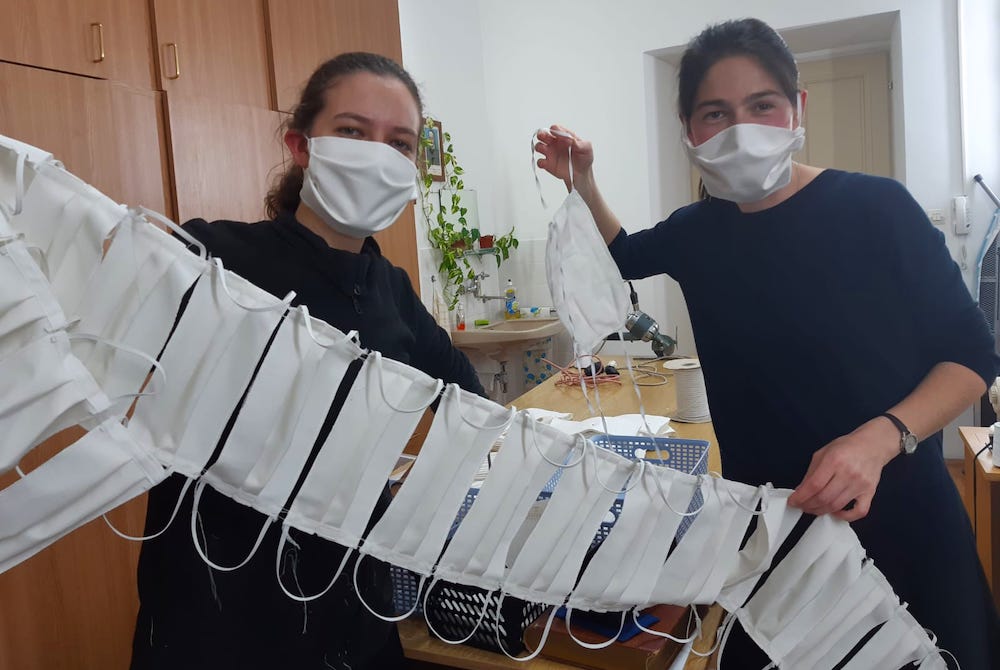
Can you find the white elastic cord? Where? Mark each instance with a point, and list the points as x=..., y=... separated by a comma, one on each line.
x=377, y=364
x=541, y=642
x=721, y=634
x=19, y=471
x=694, y=636
x=197, y=544
x=641, y=465
x=762, y=496
x=479, y=621
x=357, y=591
x=143, y=538
x=592, y=645
x=577, y=438
x=534, y=166
x=280, y=304
x=663, y=496
x=19, y=180
x=153, y=363
x=277, y=569
x=351, y=336
x=638, y=395
x=458, y=408
x=180, y=232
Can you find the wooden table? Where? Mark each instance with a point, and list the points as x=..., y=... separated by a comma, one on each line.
x=982, y=501
x=661, y=400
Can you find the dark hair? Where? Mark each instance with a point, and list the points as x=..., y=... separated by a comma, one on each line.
x=284, y=195
x=742, y=37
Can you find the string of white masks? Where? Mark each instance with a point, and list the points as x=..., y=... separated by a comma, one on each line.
x=808, y=609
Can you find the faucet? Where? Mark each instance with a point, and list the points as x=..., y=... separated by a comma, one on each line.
x=476, y=288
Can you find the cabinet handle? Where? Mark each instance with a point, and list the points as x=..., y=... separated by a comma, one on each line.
x=100, y=41
x=177, y=61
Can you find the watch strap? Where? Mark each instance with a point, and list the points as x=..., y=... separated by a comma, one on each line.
x=904, y=432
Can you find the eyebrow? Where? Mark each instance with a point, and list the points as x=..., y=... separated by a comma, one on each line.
x=753, y=97
x=364, y=119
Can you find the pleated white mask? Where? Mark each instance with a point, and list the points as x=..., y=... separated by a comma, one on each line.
x=28, y=310
x=99, y=472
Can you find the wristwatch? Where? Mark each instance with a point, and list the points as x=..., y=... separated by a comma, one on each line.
x=907, y=440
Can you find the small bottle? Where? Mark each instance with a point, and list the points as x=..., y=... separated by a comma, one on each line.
x=459, y=317
x=511, y=310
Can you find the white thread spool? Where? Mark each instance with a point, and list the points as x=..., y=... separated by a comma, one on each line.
x=692, y=399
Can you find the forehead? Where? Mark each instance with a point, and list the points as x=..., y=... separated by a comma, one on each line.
x=734, y=78
x=382, y=100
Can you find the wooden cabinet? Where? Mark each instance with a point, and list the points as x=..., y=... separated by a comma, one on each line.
x=216, y=51
x=109, y=134
x=108, y=39
x=304, y=33
x=225, y=157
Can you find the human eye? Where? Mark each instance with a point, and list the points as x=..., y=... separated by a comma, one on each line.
x=402, y=146
x=349, y=131
x=714, y=115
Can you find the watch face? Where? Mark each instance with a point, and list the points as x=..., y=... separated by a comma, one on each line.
x=909, y=443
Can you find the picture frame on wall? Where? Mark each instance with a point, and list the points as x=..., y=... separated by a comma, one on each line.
x=433, y=150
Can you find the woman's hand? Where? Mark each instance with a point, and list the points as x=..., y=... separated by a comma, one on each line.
x=848, y=469
x=554, y=145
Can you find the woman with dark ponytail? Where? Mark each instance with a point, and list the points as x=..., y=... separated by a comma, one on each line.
x=834, y=330
x=353, y=139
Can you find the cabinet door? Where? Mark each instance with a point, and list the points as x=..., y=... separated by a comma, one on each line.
x=224, y=157
x=108, y=134
x=304, y=33
x=214, y=50
x=108, y=39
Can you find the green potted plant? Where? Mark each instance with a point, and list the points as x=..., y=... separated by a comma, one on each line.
x=448, y=228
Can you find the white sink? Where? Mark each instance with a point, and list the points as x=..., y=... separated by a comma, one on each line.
x=505, y=334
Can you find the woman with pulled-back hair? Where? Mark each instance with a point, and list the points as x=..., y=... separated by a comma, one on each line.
x=836, y=335
x=353, y=139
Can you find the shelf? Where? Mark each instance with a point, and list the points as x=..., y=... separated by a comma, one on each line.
x=481, y=252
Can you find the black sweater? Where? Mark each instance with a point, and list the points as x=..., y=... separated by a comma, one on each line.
x=194, y=617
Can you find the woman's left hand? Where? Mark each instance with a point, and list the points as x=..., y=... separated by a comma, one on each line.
x=848, y=469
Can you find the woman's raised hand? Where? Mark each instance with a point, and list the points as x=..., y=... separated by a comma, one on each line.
x=554, y=145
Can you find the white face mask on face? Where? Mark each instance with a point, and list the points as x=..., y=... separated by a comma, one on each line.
x=747, y=162
x=357, y=187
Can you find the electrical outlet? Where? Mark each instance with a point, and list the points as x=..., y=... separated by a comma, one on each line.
x=936, y=216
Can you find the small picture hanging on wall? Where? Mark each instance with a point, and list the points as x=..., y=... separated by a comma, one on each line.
x=433, y=150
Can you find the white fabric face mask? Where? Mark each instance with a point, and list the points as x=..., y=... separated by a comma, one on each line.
x=414, y=529
x=133, y=299
x=28, y=310
x=530, y=455
x=587, y=289
x=43, y=390
x=99, y=472
x=357, y=187
x=18, y=163
x=746, y=162
x=347, y=478
x=210, y=358
x=548, y=564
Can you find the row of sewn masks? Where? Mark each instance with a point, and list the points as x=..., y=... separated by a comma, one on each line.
x=339, y=493
x=546, y=568
x=819, y=605
x=477, y=554
x=210, y=359
x=415, y=528
x=280, y=420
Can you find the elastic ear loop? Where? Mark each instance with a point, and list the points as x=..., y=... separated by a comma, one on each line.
x=155, y=364
x=576, y=438
x=277, y=568
x=177, y=230
x=282, y=304
x=350, y=336
x=458, y=407
x=641, y=464
x=721, y=636
x=534, y=167
x=22, y=157
x=592, y=645
x=197, y=544
x=361, y=599
x=541, y=642
x=694, y=636
x=479, y=621
x=933, y=639
x=663, y=496
x=173, y=515
x=381, y=385
x=638, y=395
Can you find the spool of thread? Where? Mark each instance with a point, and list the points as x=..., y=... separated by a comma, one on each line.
x=692, y=399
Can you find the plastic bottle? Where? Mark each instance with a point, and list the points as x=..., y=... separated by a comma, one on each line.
x=459, y=317
x=511, y=310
